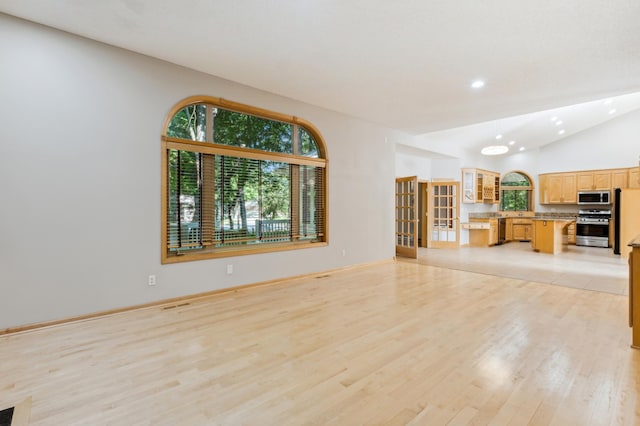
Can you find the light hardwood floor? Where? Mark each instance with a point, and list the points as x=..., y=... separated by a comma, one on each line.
x=395, y=343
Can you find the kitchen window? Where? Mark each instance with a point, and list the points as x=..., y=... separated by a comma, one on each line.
x=516, y=192
x=240, y=180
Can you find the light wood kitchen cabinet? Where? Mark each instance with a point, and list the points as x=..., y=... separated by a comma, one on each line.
x=571, y=233
x=558, y=188
x=494, y=237
x=518, y=229
x=562, y=188
x=599, y=180
x=482, y=232
x=522, y=232
x=480, y=186
x=547, y=235
x=634, y=177
x=522, y=229
x=619, y=178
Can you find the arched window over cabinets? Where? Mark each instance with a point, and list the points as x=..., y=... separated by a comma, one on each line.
x=516, y=192
x=240, y=180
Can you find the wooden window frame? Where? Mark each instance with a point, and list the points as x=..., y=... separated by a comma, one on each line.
x=530, y=191
x=169, y=143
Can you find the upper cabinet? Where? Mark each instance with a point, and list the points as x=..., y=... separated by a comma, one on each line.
x=563, y=188
x=620, y=178
x=558, y=188
x=594, y=181
x=634, y=177
x=480, y=186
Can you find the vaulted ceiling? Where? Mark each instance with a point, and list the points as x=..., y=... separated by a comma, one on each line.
x=406, y=64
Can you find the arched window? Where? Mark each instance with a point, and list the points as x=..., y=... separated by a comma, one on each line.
x=240, y=180
x=516, y=192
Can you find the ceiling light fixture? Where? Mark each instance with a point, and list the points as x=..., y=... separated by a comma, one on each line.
x=608, y=101
x=561, y=132
x=612, y=111
x=512, y=142
x=477, y=84
x=554, y=118
x=559, y=122
x=494, y=150
x=498, y=137
x=522, y=148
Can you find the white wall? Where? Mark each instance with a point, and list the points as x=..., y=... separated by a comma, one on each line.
x=80, y=223
x=614, y=144
x=412, y=164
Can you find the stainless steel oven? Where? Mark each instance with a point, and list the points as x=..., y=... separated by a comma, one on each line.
x=592, y=228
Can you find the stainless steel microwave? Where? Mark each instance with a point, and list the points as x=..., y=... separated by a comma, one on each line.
x=594, y=197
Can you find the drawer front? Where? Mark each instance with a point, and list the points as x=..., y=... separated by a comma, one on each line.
x=522, y=221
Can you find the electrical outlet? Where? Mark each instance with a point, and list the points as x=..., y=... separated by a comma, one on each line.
x=151, y=280
x=229, y=269
x=344, y=252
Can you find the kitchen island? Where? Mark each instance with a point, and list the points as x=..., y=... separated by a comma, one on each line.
x=548, y=234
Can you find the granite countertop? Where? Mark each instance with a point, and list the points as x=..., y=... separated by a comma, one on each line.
x=554, y=219
x=635, y=242
x=535, y=216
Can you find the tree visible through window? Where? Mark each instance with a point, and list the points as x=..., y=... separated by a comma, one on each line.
x=517, y=192
x=240, y=180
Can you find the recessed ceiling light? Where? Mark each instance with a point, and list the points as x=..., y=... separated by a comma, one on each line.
x=608, y=101
x=612, y=111
x=498, y=137
x=559, y=122
x=477, y=84
x=494, y=150
x=554, y=118
x=561, y=132
x=522, y=148
x=512, y=142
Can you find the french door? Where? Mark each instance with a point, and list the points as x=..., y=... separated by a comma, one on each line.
x=443, y=218
x=407, y=217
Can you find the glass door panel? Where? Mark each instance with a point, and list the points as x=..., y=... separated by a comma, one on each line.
x=444, y=229
x=407, y=217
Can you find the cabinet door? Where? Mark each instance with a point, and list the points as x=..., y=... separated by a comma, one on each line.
x=468, y=185
x=571, y=233
x=519, y=232
x=584, y=181
x=543, y=193
x=602, y=180
x=508, y=233
x=533, y=235
x=569, y=192
x=619, y=179
x=594, y=181
x=479, y=187
x=494, y=232
x=527, y=232
x=554, y=189
x=634, y=177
